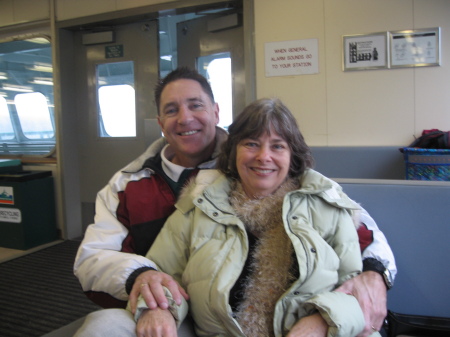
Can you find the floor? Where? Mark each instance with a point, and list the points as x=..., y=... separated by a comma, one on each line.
x=7, y=254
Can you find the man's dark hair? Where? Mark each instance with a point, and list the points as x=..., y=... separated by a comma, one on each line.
x=179, y=74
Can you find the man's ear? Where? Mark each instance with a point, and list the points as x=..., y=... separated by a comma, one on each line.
x=160, y=124
x=216, y=112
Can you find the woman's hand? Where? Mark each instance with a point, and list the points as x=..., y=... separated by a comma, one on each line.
x=309, y=326
x=156, y=323
x=150, y=285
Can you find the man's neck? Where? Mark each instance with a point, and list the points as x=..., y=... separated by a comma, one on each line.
x=189, y=161
x=171, y=167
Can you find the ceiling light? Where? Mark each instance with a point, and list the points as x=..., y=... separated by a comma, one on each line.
x=12, y=87
x=47, y=68
x=40, y=40
x=42, y=80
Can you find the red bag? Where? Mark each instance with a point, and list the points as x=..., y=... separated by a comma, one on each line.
x=433, y=139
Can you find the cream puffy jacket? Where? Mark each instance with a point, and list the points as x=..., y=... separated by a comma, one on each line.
x=204, y=246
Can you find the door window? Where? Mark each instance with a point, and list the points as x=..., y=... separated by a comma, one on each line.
x=116, y=99
x=217, y=69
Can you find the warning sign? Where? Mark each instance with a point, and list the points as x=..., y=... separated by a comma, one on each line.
x=298, y=57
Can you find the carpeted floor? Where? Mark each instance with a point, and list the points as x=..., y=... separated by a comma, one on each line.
x=39, y=293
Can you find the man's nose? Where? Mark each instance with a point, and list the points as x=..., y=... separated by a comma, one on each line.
x=184, y=114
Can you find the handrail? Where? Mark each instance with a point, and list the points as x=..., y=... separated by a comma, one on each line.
x=31, y=159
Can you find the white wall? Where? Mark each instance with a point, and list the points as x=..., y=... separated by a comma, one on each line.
x=334, y=108
x=359, y=108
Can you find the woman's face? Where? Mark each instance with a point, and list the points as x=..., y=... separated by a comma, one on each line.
x=262, y=164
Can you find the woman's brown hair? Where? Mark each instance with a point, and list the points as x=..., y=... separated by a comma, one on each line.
x=261, y=117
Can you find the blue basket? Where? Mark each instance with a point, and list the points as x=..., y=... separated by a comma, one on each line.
x=427, y=164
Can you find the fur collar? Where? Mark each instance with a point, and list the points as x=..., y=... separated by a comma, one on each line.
x=271, y=261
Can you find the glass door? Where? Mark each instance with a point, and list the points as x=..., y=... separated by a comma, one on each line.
x=219, y=56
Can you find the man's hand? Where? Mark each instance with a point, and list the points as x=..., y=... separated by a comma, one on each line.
x=309, y=326
x=156, y=323
x=370, y=291
x=150, y=285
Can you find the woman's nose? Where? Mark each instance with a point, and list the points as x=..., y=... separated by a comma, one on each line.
x=263, y=154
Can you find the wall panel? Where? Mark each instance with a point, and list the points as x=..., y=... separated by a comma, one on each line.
x=359, y=108
x=31, y=10
x=432, y=85
x=6, y=13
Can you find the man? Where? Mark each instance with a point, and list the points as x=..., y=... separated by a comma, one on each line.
x=134, y=205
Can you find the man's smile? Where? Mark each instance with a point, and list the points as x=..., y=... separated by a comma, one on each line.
x=188, y=133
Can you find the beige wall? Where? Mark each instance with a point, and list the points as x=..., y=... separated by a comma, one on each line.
x=373, y=107
x=20, y=11
x=334, y=108
x=69, y=9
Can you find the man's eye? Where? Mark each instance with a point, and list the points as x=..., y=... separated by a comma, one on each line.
x=196, y=107
x=170, y=111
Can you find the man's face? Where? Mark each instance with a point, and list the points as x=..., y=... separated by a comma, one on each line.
x=188, y=120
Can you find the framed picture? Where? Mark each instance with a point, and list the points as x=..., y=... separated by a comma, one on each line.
x=363, y=52
x=415, y=48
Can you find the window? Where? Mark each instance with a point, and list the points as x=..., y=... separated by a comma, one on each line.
x=26, y=97
x=217, y=69
x=117, y=108
x=34, y=116
x=116, y=99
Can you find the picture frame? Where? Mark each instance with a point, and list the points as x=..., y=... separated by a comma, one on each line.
x=415, y=48
x=365, y=51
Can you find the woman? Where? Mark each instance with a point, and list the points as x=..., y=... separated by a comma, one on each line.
x=261, y=243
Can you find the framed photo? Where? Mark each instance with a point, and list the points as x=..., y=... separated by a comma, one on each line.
x=363, y=52
x=415, y=48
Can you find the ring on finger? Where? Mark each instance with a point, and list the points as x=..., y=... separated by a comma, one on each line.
x=144, y=284
x=373, y=328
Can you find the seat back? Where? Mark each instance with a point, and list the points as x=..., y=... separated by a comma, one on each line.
x=416, y=326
